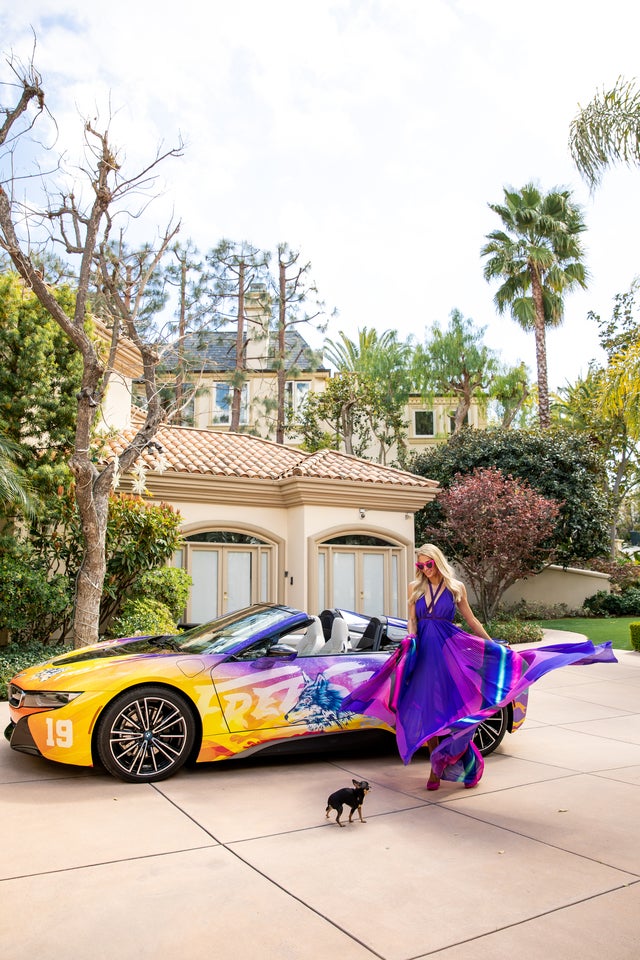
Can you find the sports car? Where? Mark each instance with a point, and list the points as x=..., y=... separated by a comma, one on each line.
x=268, y=676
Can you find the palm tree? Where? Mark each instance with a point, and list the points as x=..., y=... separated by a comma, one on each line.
x=539, y=257
x=607, y=131
x=14, y=488
x=348, y=355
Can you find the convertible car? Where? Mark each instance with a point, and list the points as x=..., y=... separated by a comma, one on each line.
x=268, y=676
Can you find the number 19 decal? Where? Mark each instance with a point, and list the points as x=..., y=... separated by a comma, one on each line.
x=59, y=733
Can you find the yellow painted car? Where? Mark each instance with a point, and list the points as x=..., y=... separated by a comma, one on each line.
x=267, y=676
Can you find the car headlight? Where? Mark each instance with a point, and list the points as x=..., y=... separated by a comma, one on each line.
x=47, y=699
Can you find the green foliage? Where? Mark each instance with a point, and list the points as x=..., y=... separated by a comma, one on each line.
x=142, y=616
x=16, y=657
x=605, y=132
x=360, y=412
x=626, y=604
x=623, y=574
x=511, y=391
x=140, y=536
x=512, y=630
x=561, y=465
x=15, y=493
x=169, y=585
x=531, y=610
x=477, y=530
x=455, y=363
x=40, y=375
x=538, y=257
x=634, y=630
x=385, y=359
x=605, y=404
x=32, y=604
x=539, y=243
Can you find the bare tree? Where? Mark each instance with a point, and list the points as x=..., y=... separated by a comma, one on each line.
x=238, y=268
x=296, y=294
x=84, y=228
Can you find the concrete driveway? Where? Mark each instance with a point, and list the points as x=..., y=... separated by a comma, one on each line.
x=542, y=860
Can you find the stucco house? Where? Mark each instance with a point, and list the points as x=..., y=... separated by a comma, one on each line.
x=263, y=521
x=266, y=521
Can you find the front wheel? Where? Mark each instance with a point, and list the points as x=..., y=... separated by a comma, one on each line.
x=145, y=734
x=491, y=731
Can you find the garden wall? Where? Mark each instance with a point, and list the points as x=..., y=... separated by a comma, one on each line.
x=557, y=585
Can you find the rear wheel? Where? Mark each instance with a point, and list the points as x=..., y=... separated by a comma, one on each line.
x=145, y=734
x=491, y=732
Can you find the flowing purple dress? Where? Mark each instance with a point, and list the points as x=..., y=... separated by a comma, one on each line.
x=444, y=682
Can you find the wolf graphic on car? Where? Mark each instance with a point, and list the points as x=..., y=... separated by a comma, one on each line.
x=318, y=705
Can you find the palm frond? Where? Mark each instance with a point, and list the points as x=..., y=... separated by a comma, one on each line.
x=607, y=131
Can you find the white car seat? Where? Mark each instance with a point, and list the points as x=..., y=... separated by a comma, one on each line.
x=338, y=642
x=313, y=640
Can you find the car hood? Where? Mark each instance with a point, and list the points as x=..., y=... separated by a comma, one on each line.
x=139, y=655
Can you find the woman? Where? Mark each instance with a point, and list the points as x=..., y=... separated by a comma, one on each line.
x=442, y=681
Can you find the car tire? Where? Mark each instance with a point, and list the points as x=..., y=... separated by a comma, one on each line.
x=145, y=734
x=491, y=731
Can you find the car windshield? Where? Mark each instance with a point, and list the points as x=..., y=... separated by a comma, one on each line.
x=223, y=634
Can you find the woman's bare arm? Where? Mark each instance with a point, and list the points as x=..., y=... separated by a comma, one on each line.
x=470, y=618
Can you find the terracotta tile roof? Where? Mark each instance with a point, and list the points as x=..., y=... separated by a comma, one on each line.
x=333, y=465
x=192, y=451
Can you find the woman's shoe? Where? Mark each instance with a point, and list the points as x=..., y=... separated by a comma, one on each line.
x=433, y=783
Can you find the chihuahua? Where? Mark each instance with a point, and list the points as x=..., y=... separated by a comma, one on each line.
x=352, y=797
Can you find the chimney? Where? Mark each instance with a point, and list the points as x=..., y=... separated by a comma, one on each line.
x=257, y=309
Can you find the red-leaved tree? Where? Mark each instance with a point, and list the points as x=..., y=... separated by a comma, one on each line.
x=496, y=529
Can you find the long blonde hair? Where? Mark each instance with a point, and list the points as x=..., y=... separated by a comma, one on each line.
x=417, y=587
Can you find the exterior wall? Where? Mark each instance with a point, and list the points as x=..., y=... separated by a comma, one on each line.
x=558, y=585
x=116, y=408
x=262, y=387
x=296, y=529
x=384, y=524
x=443, y=409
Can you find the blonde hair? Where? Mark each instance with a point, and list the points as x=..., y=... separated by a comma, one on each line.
x=417, y=587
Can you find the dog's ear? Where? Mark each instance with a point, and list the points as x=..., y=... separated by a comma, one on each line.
x=356, y=783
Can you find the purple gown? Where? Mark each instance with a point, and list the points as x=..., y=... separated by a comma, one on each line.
x=443, y=682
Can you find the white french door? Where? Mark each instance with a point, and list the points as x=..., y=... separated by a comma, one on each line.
x=225, y=578
x=364, y=579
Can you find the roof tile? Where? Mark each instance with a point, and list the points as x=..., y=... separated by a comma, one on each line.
x=193, y=451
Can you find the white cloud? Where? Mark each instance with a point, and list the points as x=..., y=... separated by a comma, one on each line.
x=370, y=133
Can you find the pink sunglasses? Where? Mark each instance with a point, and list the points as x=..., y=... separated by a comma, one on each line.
x=427, y=565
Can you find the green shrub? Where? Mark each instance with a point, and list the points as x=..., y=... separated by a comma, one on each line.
x=634, y=629
x=32, y=605
x=623, y=573
x=626, y=604
x=142, y=616
x=169, y=585
x=515, y=631
x=529, y=610
x=14, y=658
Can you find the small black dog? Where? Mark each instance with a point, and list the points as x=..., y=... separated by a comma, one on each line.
x=352, y=797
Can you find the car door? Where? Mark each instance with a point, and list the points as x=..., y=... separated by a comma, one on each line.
x=285, y=694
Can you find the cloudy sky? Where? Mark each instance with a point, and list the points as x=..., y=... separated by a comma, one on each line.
x=369, y=134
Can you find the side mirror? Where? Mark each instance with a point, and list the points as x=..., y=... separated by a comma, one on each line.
x=283, y=651
x=279, y=651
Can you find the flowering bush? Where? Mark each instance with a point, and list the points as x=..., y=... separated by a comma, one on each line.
x=497, y=529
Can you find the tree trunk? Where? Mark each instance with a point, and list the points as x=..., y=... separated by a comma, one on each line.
x=236, y=403
x=544, y=414
x=182, y=328
x=93, y=506
x=464, y=405
x=281, y=359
